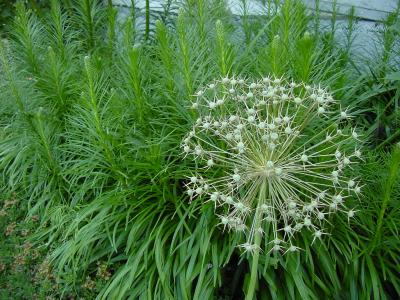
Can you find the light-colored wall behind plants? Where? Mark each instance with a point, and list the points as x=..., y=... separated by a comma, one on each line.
x=369, y=15
x=374, y=10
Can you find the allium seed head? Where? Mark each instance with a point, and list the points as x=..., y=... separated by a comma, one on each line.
x=236, y=177
x=271, y=93
x=229, y=200
x=287, y=229
x=288, y=130
x=318, y=233
x=298, y=100
x=261, y=125
x=274, y=136
x=278, y=171
x=271, y=151
x=224, y=220
x=251, y=119
x=198, y=150
x=214, y=196
x=307, y=221
x=186, y=148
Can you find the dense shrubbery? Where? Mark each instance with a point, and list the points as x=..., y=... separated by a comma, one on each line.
x=93, y=113
x=7, y=9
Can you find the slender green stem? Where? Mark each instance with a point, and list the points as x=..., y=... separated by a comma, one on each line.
x=147, y=30
x=89, y=24
x=393, y=172
x=257, y=243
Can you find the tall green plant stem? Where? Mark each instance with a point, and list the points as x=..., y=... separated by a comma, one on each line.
x=89, y=24
x=387, y=192
x=147, y=30
x=257, y=243
x=184, y=53
x=223, y=49
x=166, y=55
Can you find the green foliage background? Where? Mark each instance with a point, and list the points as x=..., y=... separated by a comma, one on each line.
x=91, y=118
x=7, y=9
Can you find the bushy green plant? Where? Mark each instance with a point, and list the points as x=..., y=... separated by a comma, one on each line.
x=7, y=10
x=93, y=113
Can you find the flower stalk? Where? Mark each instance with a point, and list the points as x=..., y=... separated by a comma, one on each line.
x=257, y=243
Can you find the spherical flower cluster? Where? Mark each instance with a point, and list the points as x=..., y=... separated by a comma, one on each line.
x=273, y=156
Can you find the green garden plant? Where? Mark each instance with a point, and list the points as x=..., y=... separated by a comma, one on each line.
x=92, y=118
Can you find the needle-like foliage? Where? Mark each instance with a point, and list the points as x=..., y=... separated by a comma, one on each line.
x=93, y=112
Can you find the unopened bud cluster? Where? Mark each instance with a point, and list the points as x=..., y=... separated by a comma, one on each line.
x=290, y=138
